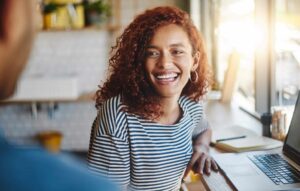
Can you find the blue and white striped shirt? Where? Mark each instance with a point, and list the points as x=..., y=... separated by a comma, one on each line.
x=141, y=154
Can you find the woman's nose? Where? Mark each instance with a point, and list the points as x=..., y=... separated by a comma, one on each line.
x=165, y=60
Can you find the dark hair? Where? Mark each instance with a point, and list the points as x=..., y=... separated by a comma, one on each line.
x=126, y=69
x=3, y=4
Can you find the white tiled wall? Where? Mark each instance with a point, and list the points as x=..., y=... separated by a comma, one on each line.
x=82, y=54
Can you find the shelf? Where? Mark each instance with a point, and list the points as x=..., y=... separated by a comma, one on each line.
x=111, y=28
x=85, y=97
x=77, y=17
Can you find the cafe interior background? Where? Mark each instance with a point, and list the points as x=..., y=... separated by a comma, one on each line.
x=253, y=48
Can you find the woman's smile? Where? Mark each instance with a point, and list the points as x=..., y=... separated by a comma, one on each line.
x=166, y=78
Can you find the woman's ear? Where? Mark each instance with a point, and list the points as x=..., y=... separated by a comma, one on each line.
x=196, y=58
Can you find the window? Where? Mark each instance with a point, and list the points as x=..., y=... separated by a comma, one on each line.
x=287, y=48
x=236, y=32
x=266, y=35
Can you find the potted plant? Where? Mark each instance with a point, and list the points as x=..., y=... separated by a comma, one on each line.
x=97, y=12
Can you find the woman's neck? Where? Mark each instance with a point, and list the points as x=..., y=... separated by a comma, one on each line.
x=171, y=112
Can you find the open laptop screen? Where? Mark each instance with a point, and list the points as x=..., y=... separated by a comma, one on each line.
x=292, y=143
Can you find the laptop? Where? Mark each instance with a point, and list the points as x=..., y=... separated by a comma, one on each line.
x=266, y=170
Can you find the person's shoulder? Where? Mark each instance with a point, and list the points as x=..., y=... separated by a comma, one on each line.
x=40, y=169
x=113, y=101
x=188, y=103
x=112, y=118
x=112, y=105
x=194, y=108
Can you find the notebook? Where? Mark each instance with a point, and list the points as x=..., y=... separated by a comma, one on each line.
x=240, y=139
x=277, y=169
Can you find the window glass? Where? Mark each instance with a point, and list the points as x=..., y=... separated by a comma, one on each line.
x=287, y=48
x=236, y=33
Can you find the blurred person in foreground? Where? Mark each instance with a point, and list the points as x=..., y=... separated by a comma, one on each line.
x=150, y=124
x=32, y=168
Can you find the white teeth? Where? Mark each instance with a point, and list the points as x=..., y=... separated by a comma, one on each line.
x=164, y=76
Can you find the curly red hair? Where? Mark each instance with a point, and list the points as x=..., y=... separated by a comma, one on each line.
x=126, y=66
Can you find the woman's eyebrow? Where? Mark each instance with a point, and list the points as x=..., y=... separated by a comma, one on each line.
x=176, y=45
x=152, y=46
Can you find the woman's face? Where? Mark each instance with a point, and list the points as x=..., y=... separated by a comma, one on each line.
x=169, y=61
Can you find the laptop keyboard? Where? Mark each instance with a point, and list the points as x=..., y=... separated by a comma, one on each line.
x=276, y=168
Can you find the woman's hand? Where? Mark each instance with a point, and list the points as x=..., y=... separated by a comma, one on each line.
x=201, y=161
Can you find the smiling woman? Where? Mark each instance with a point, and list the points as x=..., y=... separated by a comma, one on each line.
x=150, y=130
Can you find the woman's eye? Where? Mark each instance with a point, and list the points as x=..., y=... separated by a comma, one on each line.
x=152, y=54
x=177, y=52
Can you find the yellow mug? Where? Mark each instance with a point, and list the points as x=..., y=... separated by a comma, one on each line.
x=51, y=140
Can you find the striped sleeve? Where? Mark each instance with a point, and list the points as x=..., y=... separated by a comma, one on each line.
x=109, y=149
x=201, y=126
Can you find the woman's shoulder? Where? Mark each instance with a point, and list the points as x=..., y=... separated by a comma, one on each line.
x=194, y=108
x=112, y=104
x=111, y=117
x=188, y=103
x=111, y=110
x=113, y=100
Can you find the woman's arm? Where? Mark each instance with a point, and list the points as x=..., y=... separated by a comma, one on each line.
x=201, y=153
x=201, y=159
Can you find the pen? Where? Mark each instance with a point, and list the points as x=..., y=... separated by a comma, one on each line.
x=231, y=138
